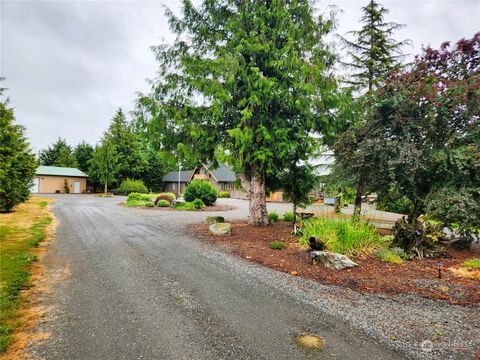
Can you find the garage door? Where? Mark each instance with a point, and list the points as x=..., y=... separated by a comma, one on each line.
x=35, y=186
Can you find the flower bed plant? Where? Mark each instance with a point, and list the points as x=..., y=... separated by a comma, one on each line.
x=343, y=235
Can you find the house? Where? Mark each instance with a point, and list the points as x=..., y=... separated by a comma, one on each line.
x=55, y=179
x=222, y=177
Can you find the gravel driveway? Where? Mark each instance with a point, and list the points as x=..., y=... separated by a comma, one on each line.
x=135, y=285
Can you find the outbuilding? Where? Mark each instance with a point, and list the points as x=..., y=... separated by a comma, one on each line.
x=59, y=180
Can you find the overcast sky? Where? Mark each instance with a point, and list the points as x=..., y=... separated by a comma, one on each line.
x=71, y=64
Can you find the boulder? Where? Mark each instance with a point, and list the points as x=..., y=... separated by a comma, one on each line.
x=220, y=229
x=332, y=261
x=215, y=219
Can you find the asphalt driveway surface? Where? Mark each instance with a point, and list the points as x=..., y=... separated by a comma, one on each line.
x=135, y=285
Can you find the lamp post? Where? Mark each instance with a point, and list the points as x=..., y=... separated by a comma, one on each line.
x=179, y=169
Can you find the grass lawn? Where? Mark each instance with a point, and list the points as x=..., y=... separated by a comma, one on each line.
x=20, y=232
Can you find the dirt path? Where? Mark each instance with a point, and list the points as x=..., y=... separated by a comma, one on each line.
x=137, y=286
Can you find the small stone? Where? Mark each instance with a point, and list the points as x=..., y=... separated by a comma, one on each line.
x=220, y=229
x=215, y=219
x=332, y=261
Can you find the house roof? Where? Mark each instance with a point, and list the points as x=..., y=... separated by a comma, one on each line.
x=59, y=171
x=222, y=173
x=172, y=176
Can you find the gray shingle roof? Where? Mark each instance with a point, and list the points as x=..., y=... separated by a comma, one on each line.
x=60, y=171
x=223, y=173
x=172, y=176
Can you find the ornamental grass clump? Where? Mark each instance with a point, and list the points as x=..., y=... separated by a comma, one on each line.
x=288, y=216
x=342, y=235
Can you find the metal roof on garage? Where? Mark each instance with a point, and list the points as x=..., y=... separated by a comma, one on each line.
x=60, y=171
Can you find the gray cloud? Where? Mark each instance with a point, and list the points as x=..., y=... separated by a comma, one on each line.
x=70, y=65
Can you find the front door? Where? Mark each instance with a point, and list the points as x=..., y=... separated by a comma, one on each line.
x=35, y=186
x=76, y=187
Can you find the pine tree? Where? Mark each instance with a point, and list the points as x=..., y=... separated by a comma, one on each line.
x=83, y=153
x=59, y=154
x=373, y=53
x=131, y=160
x=18, y=164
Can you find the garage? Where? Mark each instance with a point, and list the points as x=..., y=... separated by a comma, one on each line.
x=59, y=180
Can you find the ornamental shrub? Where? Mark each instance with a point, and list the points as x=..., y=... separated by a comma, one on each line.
x=129, y=186
x=150, y=204
x=200, y=189
x=223, y=194
x=288, y=216
x=387, y=255
x=273, y=216
x=170, y=197
x=198, y=203
x=163, y=203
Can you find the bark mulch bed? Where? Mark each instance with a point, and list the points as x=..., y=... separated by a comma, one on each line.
x=205, y=209
x=372, y=275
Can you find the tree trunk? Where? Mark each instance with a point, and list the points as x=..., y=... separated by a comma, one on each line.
x=245, y=182
x=294, y=219
x=338, y=200
x=105, y=189
x=258, y=205
x=357, y=206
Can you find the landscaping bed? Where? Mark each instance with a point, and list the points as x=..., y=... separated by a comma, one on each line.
x=216, y=207
x=372, y=275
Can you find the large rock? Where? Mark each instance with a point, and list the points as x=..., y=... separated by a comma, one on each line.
x=220, y=229
x=332, y=260
x=215, y=219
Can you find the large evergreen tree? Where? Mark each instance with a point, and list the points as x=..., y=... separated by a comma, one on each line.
x=83, y=153
x=59, y=154
x=18, y=164
x=251, y=77
x=372, y=54
x=131, y=160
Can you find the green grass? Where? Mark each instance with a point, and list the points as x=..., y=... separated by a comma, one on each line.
x=21, y=231
x=342, y=236
x=472, y=264
x=277, y=245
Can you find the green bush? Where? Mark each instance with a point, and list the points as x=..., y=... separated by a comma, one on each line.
x=163, y=203
x=170, y=197
x=277, y=245
x=140, y=197
x=150, y=204
x=288, y=216
x=400, y=253
x=223, y=194
x=132, y=186
x=472, y=263
x=198, y=203
x=273, y=216
x=200, y=189
x=342, y=235
x=387, y=255
x=185, y=206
